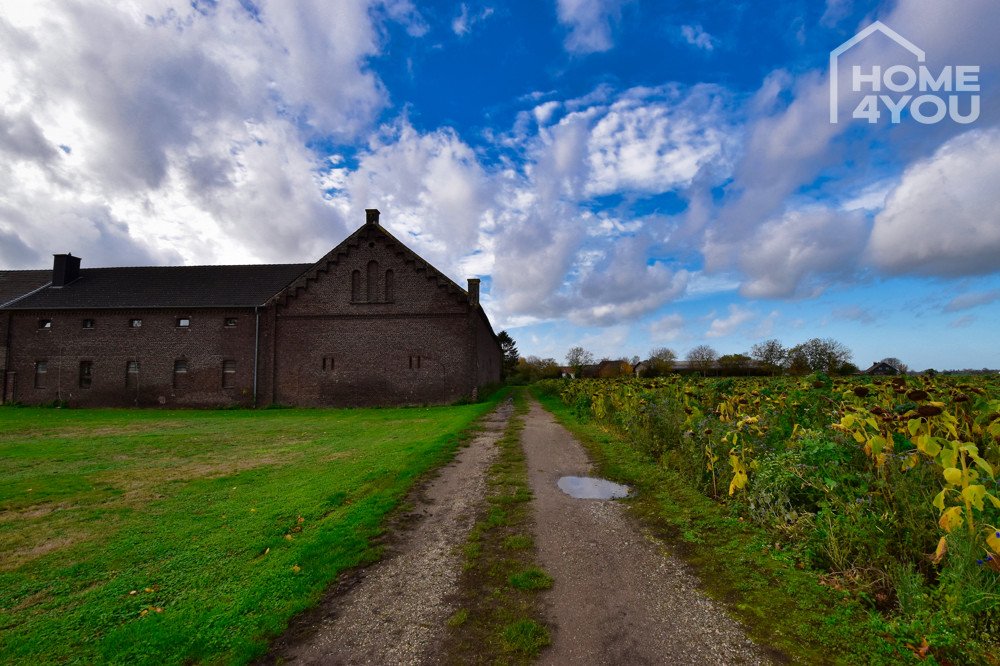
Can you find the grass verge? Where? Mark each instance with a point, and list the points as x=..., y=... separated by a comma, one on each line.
x=168, y=537
x=782, y=607
x=499, y=619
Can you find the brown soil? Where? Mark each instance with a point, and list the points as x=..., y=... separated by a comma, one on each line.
x=619, y=596
x=394, y=612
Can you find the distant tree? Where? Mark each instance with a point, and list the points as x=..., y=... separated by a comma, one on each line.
x=896, y=363
x=634, y=360
x=735, y=364
x=532, y=369
x=660, y=362
x=702, y=358
x=797, y=362
x=770, y=354
x=848, y=369
x=577, y=357
x=510, y=353
x=825, y=355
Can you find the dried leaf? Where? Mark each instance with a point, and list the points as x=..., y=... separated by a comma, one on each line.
x=940, y=551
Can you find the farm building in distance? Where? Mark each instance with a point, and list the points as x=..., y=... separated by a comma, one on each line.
x=371, y=323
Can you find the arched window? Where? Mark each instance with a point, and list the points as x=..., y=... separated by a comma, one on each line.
x=388, y=286
x=356, y=286
x=372, y=281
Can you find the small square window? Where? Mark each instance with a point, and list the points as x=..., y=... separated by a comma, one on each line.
x=45, y=324
x=135, y=323
x=183, y=322
x=88, y=323
x=230, y=322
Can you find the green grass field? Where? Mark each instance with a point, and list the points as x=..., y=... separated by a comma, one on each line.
x=192, y=536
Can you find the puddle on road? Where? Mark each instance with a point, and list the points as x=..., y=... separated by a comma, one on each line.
x=587, y=487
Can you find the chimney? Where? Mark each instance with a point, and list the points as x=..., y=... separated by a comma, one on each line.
x=473, y=292
x=65, y=269
x=371, y=216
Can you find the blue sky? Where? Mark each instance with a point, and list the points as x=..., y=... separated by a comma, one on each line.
x=622, y=174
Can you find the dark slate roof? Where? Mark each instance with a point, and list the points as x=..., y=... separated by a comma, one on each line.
x=14, y=284
x=165, y=286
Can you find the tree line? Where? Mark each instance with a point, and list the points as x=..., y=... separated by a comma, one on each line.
x=769, y=357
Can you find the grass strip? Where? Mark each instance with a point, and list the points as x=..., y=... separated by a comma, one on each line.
x=499, y=619
x=173, y=537
x=783, y=608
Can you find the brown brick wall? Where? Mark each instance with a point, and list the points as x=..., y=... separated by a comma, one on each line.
x=323, y=345
x=4, y=350
x=414, y=348
x=351, y=361
x=112, y=343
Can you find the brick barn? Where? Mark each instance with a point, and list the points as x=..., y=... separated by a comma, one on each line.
x=371, y=323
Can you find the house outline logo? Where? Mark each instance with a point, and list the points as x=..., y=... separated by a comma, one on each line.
x=835, y=54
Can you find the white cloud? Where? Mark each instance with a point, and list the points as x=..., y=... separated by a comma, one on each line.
x=667, y=328
x=725, y=326
x=696, y=36
x=462, y=24
x=836, y=11
x=430, y=187
x=589, y=23
x=972, y=300
x=658, y=141
x=941, y=219
x=178, y=130
x=800, y=252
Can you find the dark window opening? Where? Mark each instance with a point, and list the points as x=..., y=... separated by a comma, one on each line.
x=230, y=322
x=132, y=374
x=183, y=322
x=86, y=374
x=356, y=286
x=414, y=362
x=372, y=281
x=41, y=370
x=88, y=323
x=228, y=374
x=328, y=363
x=135, y=323
x=45, y=323
x=388, y=286
x=180, y=372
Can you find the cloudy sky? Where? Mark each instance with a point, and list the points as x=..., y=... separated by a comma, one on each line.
x=622, y=174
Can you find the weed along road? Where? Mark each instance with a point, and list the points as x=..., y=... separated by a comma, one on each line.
x=396, y=611
x=618, y=597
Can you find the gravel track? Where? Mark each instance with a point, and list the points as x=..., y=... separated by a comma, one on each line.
x=619, y=596
x=394, y=611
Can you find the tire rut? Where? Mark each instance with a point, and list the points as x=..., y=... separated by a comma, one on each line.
x=619, y=597
x=394, y=611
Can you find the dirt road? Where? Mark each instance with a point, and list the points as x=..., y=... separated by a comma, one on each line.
x=619, y=597
x=396, y=614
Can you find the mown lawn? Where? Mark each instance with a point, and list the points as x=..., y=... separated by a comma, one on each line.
x=192, y=536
